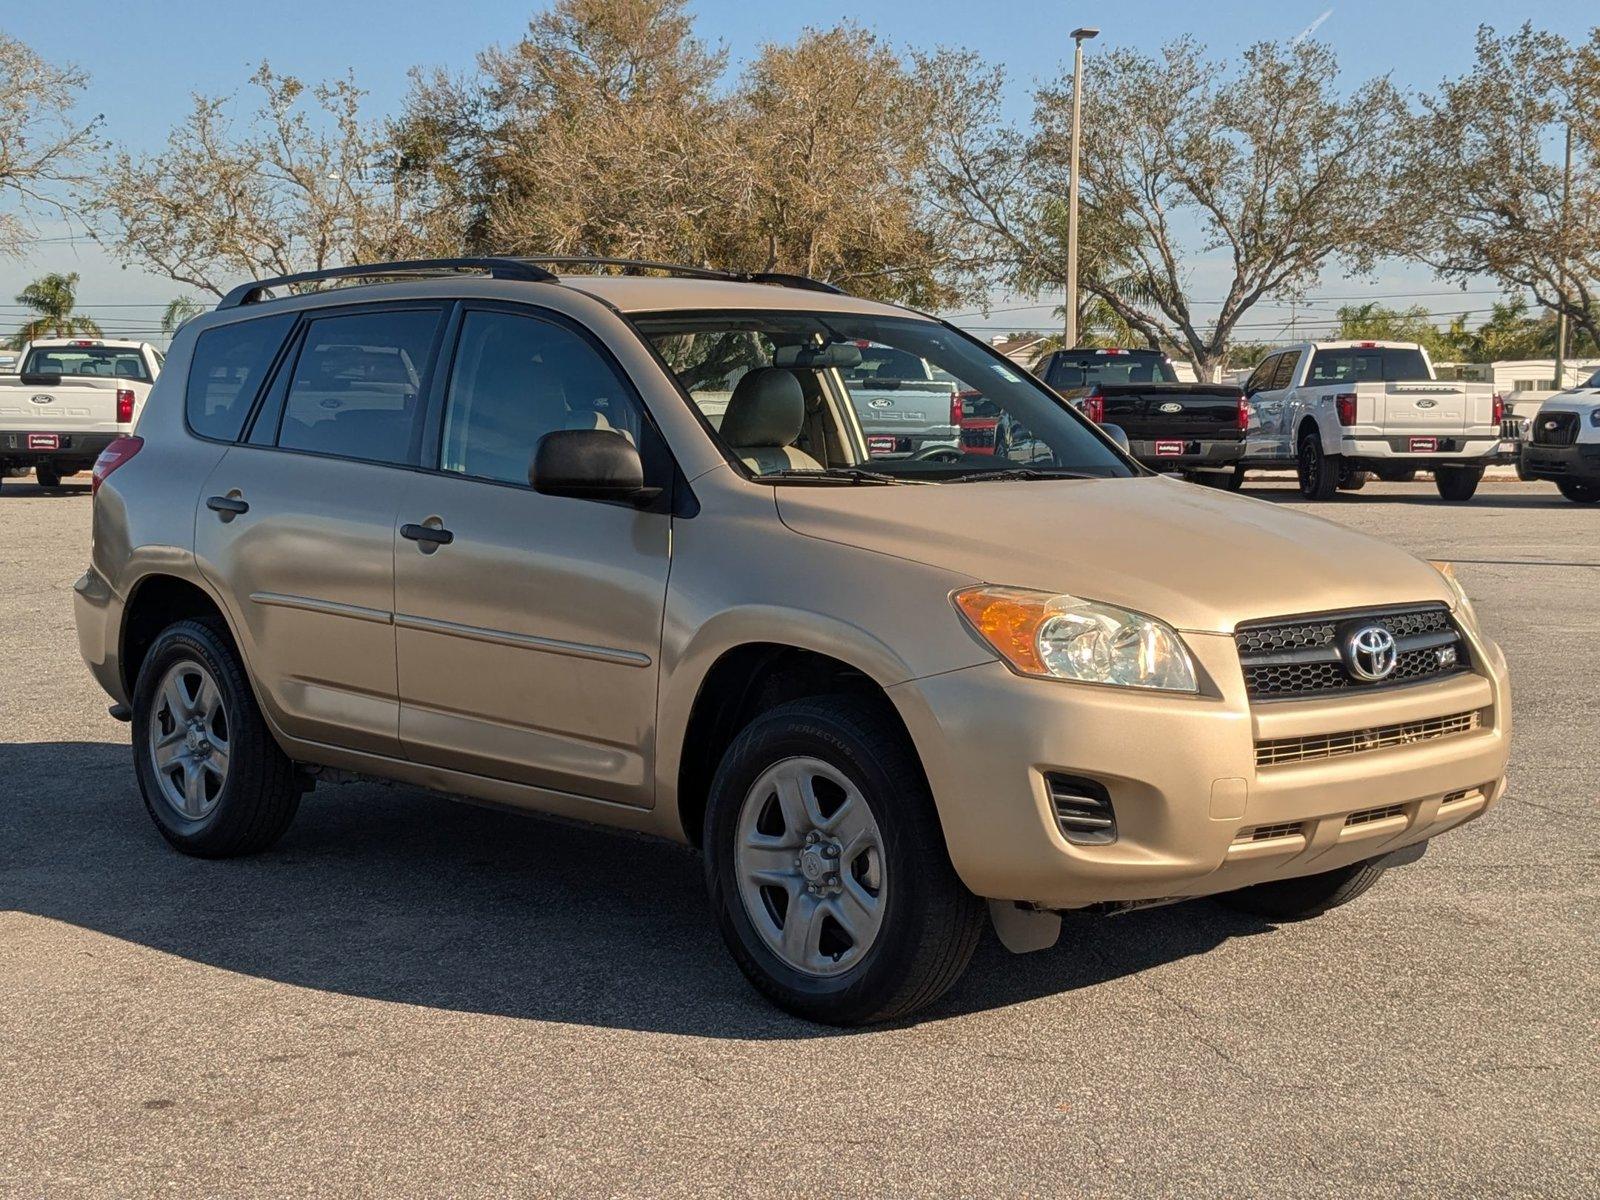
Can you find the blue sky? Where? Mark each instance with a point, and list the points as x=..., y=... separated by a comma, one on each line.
x=146, y=61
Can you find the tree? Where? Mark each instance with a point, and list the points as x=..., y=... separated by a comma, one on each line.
x=1482, y=180
x=52, y=299
x=43, y=145
x=1266, y=165
x=178, y=311
x=305, y=183
x=1375, y=321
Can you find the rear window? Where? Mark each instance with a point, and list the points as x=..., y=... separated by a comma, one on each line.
x=1069, y=371
x=226, y=372
x=885, y=362
x=1376, y=364
x=89, y=362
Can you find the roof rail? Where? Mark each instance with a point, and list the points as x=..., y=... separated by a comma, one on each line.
x=498, y=268
x=775, y=278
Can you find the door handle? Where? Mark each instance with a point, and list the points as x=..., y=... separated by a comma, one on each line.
x=227, y=506
x=429, y=534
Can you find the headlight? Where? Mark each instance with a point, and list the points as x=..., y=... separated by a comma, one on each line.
x=1063, y=637
x=1463, y=606
x=1594, y=417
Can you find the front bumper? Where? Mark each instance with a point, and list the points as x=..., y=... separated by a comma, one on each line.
x=1198, y=453
x=1579, y=462
x=1182, y=776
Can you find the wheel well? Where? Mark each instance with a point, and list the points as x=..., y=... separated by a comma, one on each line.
x=744, y=683
x=1305, y=424
x=157, y=602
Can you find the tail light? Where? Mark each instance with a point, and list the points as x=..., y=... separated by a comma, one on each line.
x=957, y=399
x=124, y=406
x=1345, y=406
x=1094, y=407
x=112, y=457
x=1244, y=415
x=1499, y=408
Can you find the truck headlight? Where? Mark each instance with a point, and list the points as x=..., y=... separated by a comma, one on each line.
x=1064, y=637
x=1463, y=605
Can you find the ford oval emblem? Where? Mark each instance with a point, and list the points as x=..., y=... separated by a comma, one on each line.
x=880, y=402
x=1170, y=407
x=41, y=398
x=1426, y=403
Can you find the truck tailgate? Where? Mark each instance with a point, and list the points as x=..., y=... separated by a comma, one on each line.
x=1185, y=410
x=1425, y=408
x=82, y=405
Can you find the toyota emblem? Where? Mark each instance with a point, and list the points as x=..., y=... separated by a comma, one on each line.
x=1370, y=653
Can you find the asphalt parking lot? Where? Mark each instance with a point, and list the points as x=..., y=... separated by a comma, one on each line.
x=410, y=996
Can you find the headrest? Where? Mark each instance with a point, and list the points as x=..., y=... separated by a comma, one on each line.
x=767, y=408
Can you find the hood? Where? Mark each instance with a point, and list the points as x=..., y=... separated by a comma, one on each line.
x=1199, y=559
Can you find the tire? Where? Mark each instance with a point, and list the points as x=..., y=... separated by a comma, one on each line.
x=48, y=477
x=1457, y=483
x=1233, y=480
x=241, y=809
x=1319, y=472
x=1306, y=897
x=1579, y=493
x=1353, y=481
x=927, y=923
x=1396, y=474
x=1226, y=481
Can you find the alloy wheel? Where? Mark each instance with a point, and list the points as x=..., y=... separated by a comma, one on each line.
x=189, y=740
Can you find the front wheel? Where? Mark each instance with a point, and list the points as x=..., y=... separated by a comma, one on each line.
x=213, y=778
x=827, y=868
x=1579, y=493
x=1457, y=483
x=1319, y=472
x=1305, y=897
x=1353, y=481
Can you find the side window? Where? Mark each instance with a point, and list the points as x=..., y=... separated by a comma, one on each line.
x=1283, y=376
x=517, y=378
x=226, y=372
x=1261, y=377
x=357, y=385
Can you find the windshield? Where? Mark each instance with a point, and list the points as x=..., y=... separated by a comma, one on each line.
x=1363, y=364
x=1593, y=381
x=803, y=396
x=1072, y=369
x=94, y=362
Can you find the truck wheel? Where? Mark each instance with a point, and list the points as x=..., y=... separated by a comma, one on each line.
x=1457, y=483
x=1579, y=493
x=213, y=779
x=827, y=868
x=1353, y=481
x=1319, y=472
x=1396, y=474
x=48, y=477
x=1233, y=480
x=1308, y=896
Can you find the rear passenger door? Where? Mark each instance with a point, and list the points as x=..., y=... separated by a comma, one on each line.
x=529, y=627
x=296, y=524
x=1271, y=405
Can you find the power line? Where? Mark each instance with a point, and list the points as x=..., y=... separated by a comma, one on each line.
x=1262, y=304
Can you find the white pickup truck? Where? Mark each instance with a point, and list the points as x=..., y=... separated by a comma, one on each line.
x=69, y=400
x=1339, y=411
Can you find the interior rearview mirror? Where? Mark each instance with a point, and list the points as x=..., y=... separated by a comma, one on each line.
x=590, y=464
x=1116, y=434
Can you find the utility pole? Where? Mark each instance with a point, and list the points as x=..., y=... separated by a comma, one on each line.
x=1079, y=36
x=1561, y=269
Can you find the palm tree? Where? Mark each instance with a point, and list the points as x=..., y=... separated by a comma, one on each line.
x=177, y=312
x=52, y=298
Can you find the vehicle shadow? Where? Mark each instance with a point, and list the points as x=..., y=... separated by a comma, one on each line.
x=400, y=895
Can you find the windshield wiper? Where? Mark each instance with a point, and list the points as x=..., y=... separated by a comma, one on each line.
x=853, y=474
x=1007, y=474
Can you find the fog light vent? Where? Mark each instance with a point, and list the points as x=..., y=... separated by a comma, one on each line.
x=1369, y=815
x=1083, y=810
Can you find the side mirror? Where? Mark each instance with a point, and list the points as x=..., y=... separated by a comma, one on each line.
x=1116, y=434
x=589, y=464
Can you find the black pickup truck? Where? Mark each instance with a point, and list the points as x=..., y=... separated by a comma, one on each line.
x=1196, y=429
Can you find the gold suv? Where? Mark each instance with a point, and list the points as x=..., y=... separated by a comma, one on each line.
x=616, y=547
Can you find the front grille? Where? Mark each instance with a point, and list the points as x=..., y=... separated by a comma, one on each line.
x=977, y=437
x=1083, y=810
x=1511, y=428
x=1278, y=751
x=1284, y=660
x=1369, y=815
x=1555, y=429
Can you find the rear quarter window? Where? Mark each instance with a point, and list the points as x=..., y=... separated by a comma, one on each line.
x=226, y=371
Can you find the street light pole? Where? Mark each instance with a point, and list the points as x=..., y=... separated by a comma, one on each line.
x=1079, y=36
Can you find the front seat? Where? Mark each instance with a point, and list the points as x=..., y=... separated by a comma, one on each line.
x=765, y=415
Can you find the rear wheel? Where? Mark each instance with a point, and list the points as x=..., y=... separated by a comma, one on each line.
x=1319, y=472
x=213, y=779
x=48, y=476
x=1396, y=474
x=827, y=868
x=1579, y=493
x=1308, y=896
x=1457, y=483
